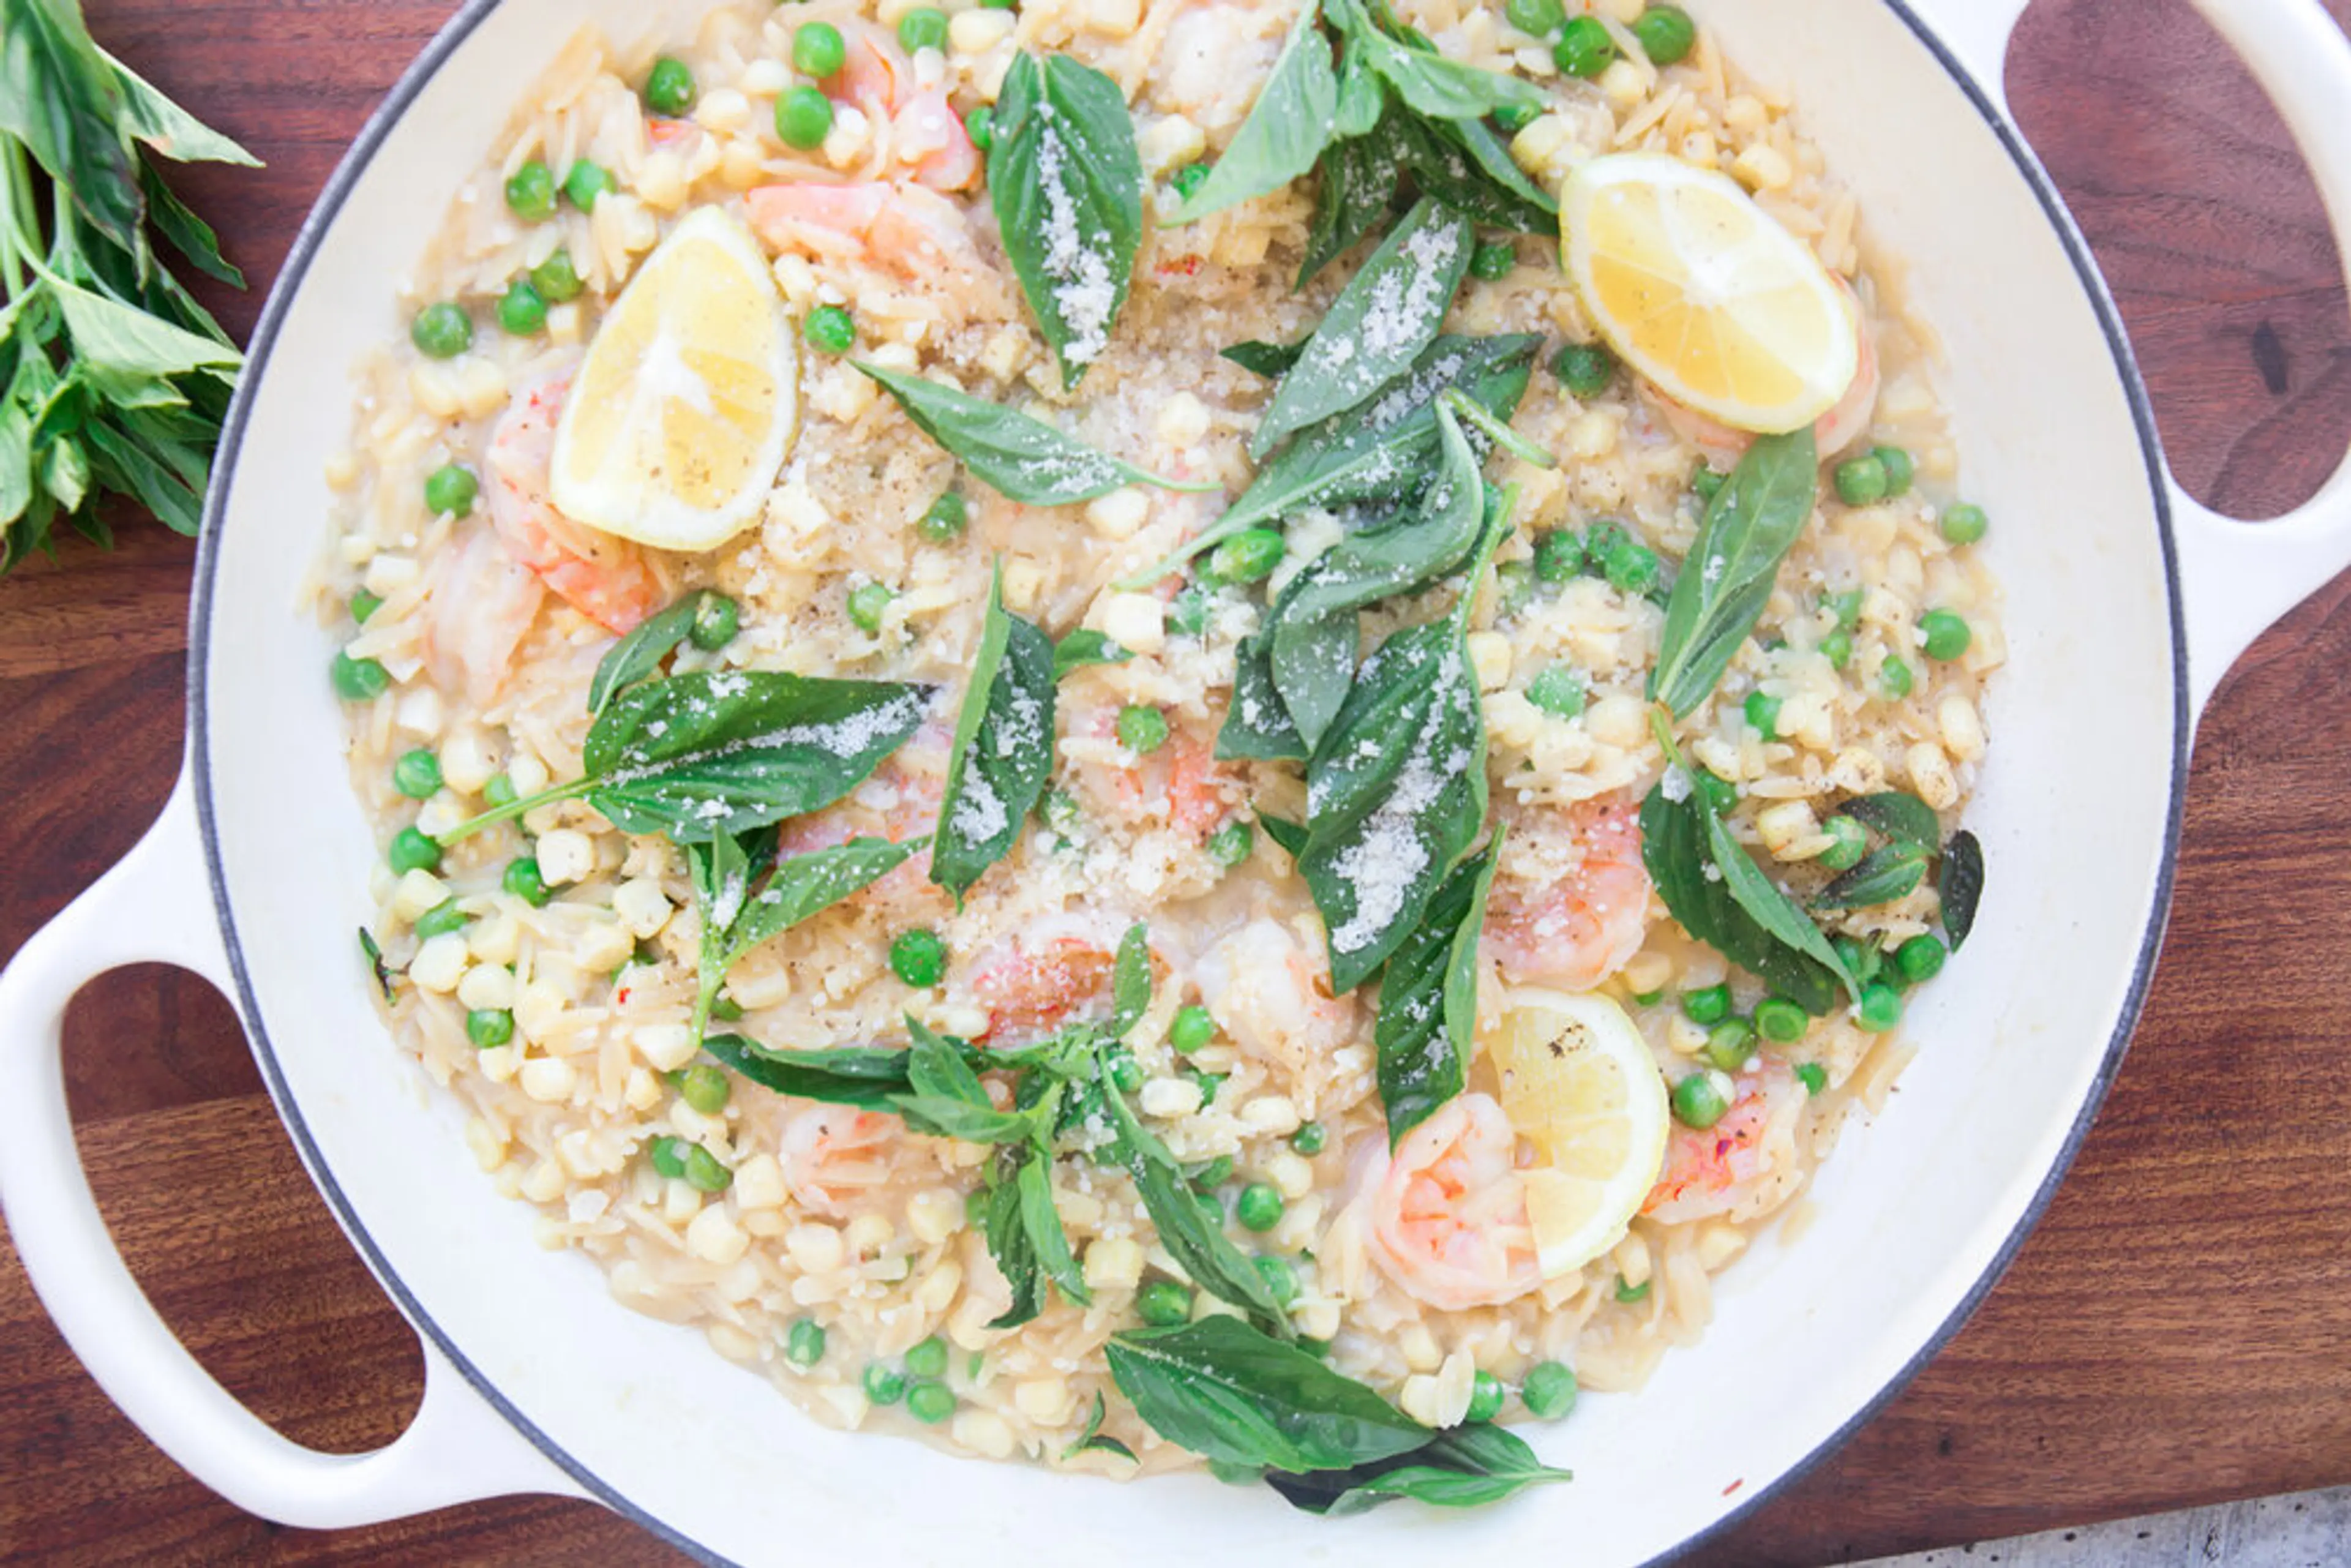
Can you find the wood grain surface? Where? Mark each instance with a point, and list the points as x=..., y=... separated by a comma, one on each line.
x=2173, y=1333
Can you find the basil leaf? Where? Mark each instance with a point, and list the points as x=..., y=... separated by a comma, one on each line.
x=1015, y=1251
x=1261, y=358
x=1429, y=82
x=1427, y=1027
x=640, y=654
x=59, y=98
x=1395, y=794
x=1197, y=1243
x=1091, y=1440
x=1881, y=876
x=1357, y=187
x=1466, y=166
x=1067, y=184
x=112, y=336
x=1003, y=749
x=1082, y=647
x=163, y=125
x=1382, y=322
x=700, y=754
x=947, y=1099
x=1049, y=1241
x=1258, y=727
x=1904, y=817
x=1763, y=901
x=373, y=952
x=1020, y=457
x=1960, y=880
x=1361, y=97
x=1130, y=981
x=1286, y=131
x=722, y=871
x=1677, y=851
x=1466, y=1467
x=190, y=234
x=1288, y=836
x=863, y=1076
x=1227, y=1392
x=1725, y=582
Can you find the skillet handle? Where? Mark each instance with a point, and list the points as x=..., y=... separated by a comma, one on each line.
x=2236, y=578
x=156, y=905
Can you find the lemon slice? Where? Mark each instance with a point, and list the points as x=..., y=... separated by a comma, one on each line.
x=1704, y=293
x=679, y=419
x=1579, y=1083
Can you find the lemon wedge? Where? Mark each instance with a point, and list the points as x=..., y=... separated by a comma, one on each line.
x=1704, y=293
x=1579, y=1083
x=680, y=417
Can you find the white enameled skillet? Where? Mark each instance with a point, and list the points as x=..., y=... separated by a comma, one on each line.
x=2127, y=601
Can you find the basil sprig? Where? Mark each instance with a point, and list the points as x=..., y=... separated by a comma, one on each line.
x=1015, y=455
x=1067, y=184
x=1914, y=839
x=746, y=896
x=1382, y=322
x=1749, y=527
x=725, y=752
x=1286, y=128
x=1003, y=751
x=638, y=655
x=1428, y=1025
x=1225, y=1390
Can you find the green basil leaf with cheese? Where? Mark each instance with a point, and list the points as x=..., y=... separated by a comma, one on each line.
x=1725, y=582
x=1428, y=1025
x=1003, y=751
x=1286, y=128
x=1222, y=1389
x=1017, y=456
x=640, y=654
x=1353, y=194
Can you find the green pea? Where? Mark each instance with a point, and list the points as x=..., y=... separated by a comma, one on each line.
x=530, y=193
x=945, y=519
x=413, y=849
x=1813, y=1076
x=556, y=279
x=1125, y=1073
x=867, y=602
x=884, y=1385
x=1535, y=18
x=585, y=182
x=716, y=621
x=1558, y=691
x=1847, y=608
x=980, y=126
x=706, y=1088
x=1215, y=1173
x=1647, y=998
x=928, y=1359
x=523, y=880
x=1280, y=1278
x=1142, y=729
x=1900, y=469
x=1863, y=959
x=1666, y=34
x=1260, y=1206
x=1706, y=484
x=1194, y=1027
x=804, y=1346
x=1718, y=789
x=451, y=489
x=417, y=774
x=1486, y=1397
x=1894, y=678
x=1189, y=178
x=669, y=87
x=1189, y=615
x=919, y=959
x=1249, y=556
x=1850, y=841
x=1310, y=1139
x=819, y=50
x=1881, y=1006
x=499, y=791
x=1837, y=648
x=1697, y=1102
x=1780, y=1020
x=442, y=331
x=830, y=330
x=522, y=308
x=703, y=1173
x=488, y=1027
x=1633, y=570
x=1861, y=481
x=669, y=1157
x=1164, y=1303
x=1948, y=635
x=1584, y=48
x=1514, y=117
x=1730, y=1043
x=1493, y=261
x=1230, y=845
x=1559, y=555
x=365, y=604
x=1515, y=579
x=930, y=1403
x=1707, y=1005
x=441, y=919
x=1000, y=4
x=1762, y=713
x=1964, y=524
x=1920, y=959
x=1628, y=1293
x=1548, y=1390
x=803, y=116
x=1585, y=370
x=923, y=29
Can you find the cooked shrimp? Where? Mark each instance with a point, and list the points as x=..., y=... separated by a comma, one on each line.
x=607, y=580
x=1581, y=929
x=1843, y=425
x=483, y=604
x=1448, y=1213
x=832, y=1155
x=901, y=801
x=1270, y=991
x=917, y=231
x=1037, y=982
x=925, y=135
x=1179, y=786
x=1746, y=1165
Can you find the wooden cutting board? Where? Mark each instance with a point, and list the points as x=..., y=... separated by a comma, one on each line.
x=2173, y=1333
